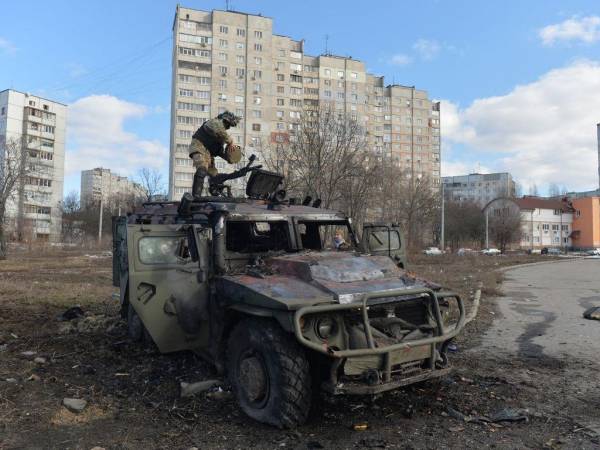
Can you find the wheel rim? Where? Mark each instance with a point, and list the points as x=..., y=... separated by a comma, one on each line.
x=254, y=379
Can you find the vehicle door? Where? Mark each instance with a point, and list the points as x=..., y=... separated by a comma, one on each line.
x=384, y=239
x=168, y=282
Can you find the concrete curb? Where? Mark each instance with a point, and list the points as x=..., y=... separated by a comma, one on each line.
x=539, y=263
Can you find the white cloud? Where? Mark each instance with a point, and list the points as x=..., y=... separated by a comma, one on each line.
x=7, y=47
x=97, y=137
x=543, y=132
x=427, y=49
x=76, y=70
x=584, y=29
x=400, y=60
x=453, y=168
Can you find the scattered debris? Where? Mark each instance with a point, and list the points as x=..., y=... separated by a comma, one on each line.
x=33, y=377
x=219, y=394
x=11, y=380
x=504, y=415
x=30, y=354
x=362, y=426
x=452, y=347
x=310, y=445
x=592, y=313
x=190, y=389
x=39, y=360
x=74, y=312
x=75, y=405
x=3, y=347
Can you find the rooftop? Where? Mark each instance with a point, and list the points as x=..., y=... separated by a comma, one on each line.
x=33, y=95
x=530, y=202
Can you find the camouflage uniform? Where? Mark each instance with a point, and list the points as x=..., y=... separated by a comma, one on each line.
x=207, y=143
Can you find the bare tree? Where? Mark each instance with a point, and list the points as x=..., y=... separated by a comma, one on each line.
x=505, y=224
x=152, y=183
x=14, y=168
x=553, y=190
x=465, y=224
x=533, y=190
x=70, y=207
x=324, y=153
x=412, y=201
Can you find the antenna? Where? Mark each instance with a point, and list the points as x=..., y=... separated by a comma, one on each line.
x=326, y=44
x=226, y=5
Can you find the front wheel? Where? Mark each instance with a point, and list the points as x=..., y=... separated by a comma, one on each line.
x=269, y=373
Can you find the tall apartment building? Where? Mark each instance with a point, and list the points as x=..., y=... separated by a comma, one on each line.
x=39, y=125
x=479, y=188
x=226, y=60
x=102, y=184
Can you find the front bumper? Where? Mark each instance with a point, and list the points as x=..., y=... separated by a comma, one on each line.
x=387, y=355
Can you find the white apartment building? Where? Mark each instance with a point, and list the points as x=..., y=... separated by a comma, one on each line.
x=39, y=124
x=226, y=60
x=102, y=184
x=545, y=222
x=478, y=188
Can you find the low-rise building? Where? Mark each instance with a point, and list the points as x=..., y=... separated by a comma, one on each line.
x=586, y=223
x=479, y=188
x=102, y=184
x=545, y=222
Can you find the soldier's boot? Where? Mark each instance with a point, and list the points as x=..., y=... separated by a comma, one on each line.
x=198, y=184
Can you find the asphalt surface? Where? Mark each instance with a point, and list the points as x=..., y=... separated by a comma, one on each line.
x=541, y=314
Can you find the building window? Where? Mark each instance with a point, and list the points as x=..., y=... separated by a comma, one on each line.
x=296, y=67
x=258, y=34
x=280, y=90
x=577, y=213
x=354, y=75
x=295, y=55
x=280, y=77
x=241, y=32
x=279, y=114
x=257, y=100
x=239, y=45
x=565, y=227
x=223, y=84
x=295, y=78
x=257, y=74
x=240, y=73
x=3, y=110
x=327, y=94
x=256, y=127
x=239, y=99
x=327, y=72
x=281, y=125
x=340, y=73
x=223, y=43
x=223, y=70
x=257, y=113
x=223, y=29
x=280, y=102
x=239, y=85
x=222, y=97
x=239, y=59
x=258, y=47
x=257, y=88
x=554, y=227
x=258, y=60
x=545, y=227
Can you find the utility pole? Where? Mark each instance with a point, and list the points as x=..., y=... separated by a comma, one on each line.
x=442, y=240
x=100, y=222
x=487, y=228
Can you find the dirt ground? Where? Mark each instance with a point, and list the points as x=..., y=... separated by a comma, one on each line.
x=132, y=392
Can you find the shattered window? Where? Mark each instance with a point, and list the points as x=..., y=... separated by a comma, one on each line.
x=382, y=240
x=159, y=249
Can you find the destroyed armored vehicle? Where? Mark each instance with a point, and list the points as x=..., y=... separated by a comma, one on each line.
x=257, y=287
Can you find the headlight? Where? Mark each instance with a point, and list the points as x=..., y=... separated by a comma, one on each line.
x=325, y=327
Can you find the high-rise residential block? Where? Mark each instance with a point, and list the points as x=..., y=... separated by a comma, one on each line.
x=99, y=183
x=227, y=60
x=38, y=126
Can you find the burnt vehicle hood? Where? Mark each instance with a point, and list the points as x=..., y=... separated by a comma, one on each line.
x=296, y=280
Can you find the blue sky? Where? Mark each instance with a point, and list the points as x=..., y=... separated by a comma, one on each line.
x=519, y=81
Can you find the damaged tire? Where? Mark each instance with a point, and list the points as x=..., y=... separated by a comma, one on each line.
x=269, y=373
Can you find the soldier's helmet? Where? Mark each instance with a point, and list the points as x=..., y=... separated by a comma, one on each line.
x=230, y=118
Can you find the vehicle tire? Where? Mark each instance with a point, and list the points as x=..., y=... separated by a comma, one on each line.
x=135, y=327
x=269, y=373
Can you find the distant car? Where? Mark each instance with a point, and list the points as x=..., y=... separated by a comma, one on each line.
x=593, y=252
x=534, y=251
x=490, y=251
x=432, y=251
x=550, y=251
x=465, y=251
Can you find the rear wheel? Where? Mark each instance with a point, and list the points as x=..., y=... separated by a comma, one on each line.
x=269, y=373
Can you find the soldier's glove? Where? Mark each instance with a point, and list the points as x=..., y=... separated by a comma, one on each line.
x=212, y=171
x=198, y=159
x=233, y=154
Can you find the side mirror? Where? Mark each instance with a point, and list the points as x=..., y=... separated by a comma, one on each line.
x=183, y=250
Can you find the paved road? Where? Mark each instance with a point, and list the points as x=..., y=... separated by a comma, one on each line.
x=542, y=311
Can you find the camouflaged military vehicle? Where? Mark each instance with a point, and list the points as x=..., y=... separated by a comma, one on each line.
x=256, y=286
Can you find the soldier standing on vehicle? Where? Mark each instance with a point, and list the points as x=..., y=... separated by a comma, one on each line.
x=209, y=141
